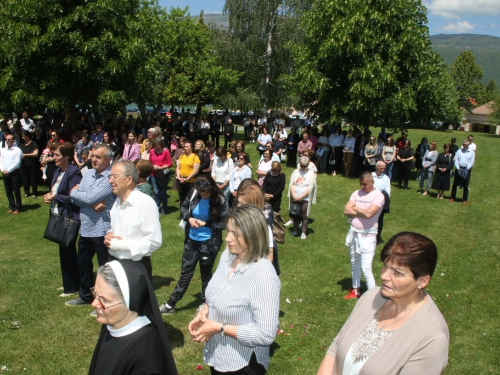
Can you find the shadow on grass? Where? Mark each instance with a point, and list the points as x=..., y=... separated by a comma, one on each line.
x=193, y=305
x=175, y=336
x=30, y=207
x=346, y=284
x=159, y=281
x=274, y=346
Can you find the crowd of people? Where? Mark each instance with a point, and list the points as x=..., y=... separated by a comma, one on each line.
x=113, y=176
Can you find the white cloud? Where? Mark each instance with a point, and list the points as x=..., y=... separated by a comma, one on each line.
x=493, y=26
x=457, y=8
x=459, y=27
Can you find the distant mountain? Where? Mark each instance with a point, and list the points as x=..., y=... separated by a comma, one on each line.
x=486, y=48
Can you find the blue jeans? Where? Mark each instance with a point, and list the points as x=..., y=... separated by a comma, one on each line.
x=388, y=170
x=160, y=195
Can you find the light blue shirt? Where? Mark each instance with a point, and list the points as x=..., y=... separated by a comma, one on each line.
x=201, y=212
x=382, y=182
x=464, y=159
x=94, y=188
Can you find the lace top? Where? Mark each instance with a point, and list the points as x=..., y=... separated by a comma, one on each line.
x=368, y=342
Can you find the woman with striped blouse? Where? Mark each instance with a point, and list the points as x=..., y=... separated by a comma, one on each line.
x=239, y=320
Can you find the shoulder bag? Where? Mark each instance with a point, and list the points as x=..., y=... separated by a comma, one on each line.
x=61, y=229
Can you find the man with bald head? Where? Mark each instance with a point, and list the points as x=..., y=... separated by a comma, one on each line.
x=364, y=208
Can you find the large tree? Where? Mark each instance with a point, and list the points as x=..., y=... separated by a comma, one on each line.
x=467, y=76
x=61, y=54
x=258, y=35
x=370, y=62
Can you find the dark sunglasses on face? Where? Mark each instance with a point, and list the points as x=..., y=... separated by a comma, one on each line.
x=203, y=184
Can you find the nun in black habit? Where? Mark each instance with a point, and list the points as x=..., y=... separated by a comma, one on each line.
x=133, y=339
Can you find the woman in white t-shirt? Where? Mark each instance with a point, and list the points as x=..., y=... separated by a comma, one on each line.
x=221, y=171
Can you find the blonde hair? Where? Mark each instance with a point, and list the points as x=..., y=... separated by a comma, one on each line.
x=250, y=221
x=252, y=194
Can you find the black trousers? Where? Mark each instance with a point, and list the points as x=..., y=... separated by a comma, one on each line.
x=380, y=225
x=227, y=139
x=30, y=179
x=253, y=368
x=183, y=190
x=12, y=185
x=403, y=173
x=69, y=268
x=465, y=186
x=215, y=139
x=339, y=159
x=87, y=248
x=291, y=158
x=194, y=252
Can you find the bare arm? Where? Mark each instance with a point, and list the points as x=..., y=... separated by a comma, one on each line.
x=327, y=365
x=349, y=209
x=367, y=213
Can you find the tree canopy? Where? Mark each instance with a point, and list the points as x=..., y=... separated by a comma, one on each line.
x=370, y=62
x=467, y=76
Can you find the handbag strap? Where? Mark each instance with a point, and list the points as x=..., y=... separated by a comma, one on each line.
x=69, y=211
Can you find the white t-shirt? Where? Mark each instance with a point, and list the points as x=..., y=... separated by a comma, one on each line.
x=365, y=200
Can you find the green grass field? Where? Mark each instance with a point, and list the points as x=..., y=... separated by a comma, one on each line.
x=40, y=335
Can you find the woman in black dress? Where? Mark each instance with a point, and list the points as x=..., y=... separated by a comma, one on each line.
x=444, y=164
x=29, y=164
x=273, y=186
x=133, y=339
x=405, y=157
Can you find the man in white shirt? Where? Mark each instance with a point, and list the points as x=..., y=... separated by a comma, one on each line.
x=472, y=145
x=382, y=182
x=135, y=223
x=27, y=123
x=11, y=162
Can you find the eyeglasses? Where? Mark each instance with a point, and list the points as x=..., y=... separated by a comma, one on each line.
x=203, y=184
x=53, y=135
x=241, y=159
x=115, y=177
x=10, y=139
x=100, y=301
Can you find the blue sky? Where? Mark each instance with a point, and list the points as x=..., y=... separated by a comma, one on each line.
x=444, y=16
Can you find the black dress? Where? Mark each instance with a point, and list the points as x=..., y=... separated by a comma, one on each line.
x=274, y=185
x=442, y=179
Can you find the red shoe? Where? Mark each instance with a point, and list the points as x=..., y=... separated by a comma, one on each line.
x=352, y=294
x=452, y=200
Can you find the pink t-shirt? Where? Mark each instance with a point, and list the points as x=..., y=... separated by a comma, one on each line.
x=365, y=200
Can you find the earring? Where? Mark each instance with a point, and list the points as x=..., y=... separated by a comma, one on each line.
x=419, y=287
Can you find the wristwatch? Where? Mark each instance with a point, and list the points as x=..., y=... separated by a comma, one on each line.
x=222, y=330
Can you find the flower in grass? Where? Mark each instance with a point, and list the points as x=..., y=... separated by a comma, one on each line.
x=199, y=367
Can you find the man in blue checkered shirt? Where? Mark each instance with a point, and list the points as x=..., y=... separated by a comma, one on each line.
x=95, y=199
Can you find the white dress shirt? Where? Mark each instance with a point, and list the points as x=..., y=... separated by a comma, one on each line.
x=11, y=158
x=137, y=222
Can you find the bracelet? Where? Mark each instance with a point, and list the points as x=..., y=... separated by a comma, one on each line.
x=222, y=330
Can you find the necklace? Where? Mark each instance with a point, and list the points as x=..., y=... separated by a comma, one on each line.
x=401, y=317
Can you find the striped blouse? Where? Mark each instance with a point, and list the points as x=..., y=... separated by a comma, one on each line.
x=249, y=299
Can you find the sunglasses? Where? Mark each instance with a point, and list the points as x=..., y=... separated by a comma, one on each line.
x=203, y=184
x=100, y=301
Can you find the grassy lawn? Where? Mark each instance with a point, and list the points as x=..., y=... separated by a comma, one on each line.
x=40, y=335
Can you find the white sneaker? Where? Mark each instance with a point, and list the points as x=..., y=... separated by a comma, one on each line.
x=288, y=223
x=303, y=236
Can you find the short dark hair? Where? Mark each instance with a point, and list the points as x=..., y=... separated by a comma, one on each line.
x=221, y=151
x=144, y=167
x=412, y=250
x=66, y=149
x=245, y=156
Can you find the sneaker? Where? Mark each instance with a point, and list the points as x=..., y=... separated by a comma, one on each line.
x=77, y=302
x=288, y=223
x=303, y=236
x=93, y=313
x=64, y=295
x=352, y=294
x=294, y=234
x=165, y=310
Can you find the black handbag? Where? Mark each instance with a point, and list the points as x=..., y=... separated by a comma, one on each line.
x=294, y=210
x=61, y=229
